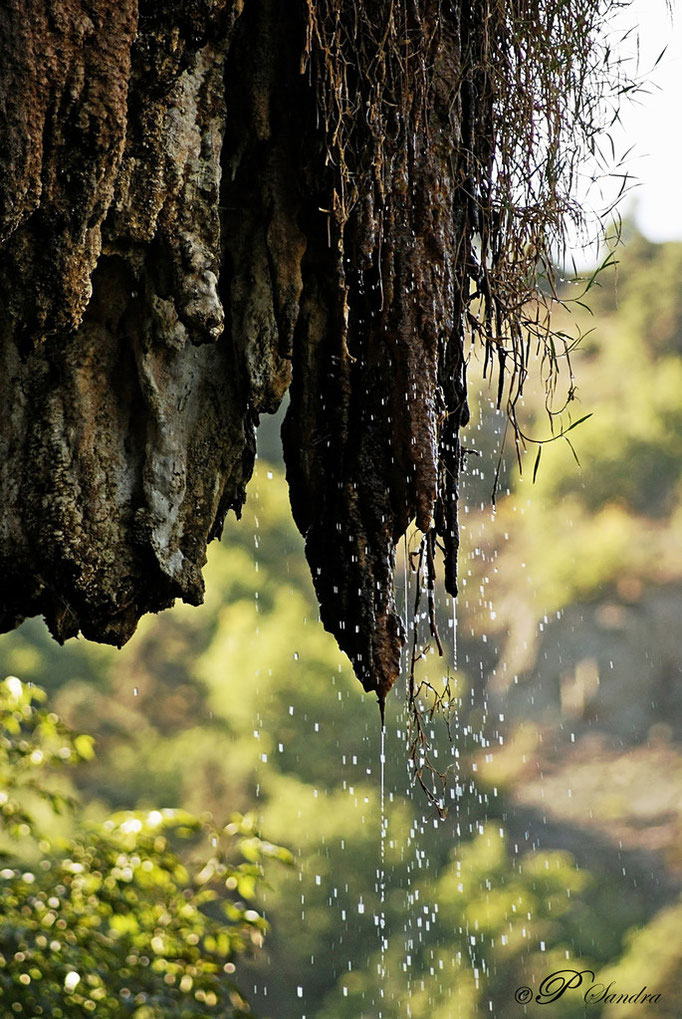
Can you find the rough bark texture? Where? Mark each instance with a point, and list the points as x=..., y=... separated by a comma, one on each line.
x=175, y=254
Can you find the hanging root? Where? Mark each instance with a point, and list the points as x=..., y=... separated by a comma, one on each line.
x=451, y=134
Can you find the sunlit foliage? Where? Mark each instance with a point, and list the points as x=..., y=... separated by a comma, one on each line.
x=113, y=920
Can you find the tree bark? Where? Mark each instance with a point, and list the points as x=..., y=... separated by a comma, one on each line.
x=178, y=246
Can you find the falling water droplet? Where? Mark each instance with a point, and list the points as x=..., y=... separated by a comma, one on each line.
x=454, y=633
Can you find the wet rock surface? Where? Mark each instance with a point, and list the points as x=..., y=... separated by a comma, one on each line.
x=175, y=256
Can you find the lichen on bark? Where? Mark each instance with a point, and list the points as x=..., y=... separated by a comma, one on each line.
x=206, y=205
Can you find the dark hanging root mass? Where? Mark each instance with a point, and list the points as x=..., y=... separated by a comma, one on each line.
x=379, y=395
x=445, y=188
x=210, y=203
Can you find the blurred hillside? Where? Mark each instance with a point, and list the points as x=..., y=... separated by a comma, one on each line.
x=561, y=844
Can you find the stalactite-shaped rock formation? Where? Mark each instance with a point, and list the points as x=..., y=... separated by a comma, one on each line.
x=378, y=396
x=202, y=205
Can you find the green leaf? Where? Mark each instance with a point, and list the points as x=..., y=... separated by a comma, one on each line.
x=537, y=463
x=84, y=746
x=576, y=423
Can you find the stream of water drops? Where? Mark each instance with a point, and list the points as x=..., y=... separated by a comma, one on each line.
x=454, y=632
x=382, y=870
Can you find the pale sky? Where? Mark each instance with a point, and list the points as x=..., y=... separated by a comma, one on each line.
x=653, y=123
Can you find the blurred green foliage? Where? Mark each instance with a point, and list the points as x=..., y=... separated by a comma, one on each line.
x=616, y=519
x=113, y=920
x=245, y=704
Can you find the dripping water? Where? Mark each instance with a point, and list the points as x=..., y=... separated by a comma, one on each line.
x=454, y=633
x=382, y=870
x=405, y=608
